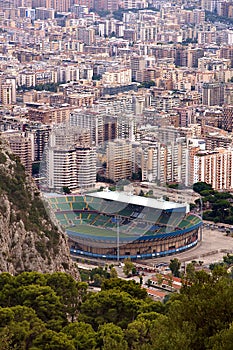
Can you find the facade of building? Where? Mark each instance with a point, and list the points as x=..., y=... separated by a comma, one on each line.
x=215, y=168
x=119, y=160
x=21, y=144
x=86, y=166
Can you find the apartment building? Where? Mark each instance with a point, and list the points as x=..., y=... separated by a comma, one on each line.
x=86, y=166
x=213, y=94
x=119, y=160
x=50, y=115
x=21, y=144
x=215, y=168
x=70, y=161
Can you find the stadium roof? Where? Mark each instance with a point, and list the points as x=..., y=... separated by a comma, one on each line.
x=138, y=200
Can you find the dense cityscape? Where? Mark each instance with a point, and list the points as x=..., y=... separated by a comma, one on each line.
x=150, y=79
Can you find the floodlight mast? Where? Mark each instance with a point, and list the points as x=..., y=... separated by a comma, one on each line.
x=201, y=212
x=118, y=238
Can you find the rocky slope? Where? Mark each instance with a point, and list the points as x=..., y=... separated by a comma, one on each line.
x=29, y=241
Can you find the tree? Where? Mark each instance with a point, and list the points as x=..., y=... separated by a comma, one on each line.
x=111, y=337
x=141, y=280
x=228, y=259
x=109, y=306
x=50, y=340
x=113, y=272
x=222, y=340
x=190, y=272
x=128, y=266
x=175, y=267
x=71, y=292
x=201, y=186
x=149, y=282
x=21, y=328
x=43, y=300
x=170, y=280
x=159, y=277
x=131, y=287
x=82, y=334
x=66, y=190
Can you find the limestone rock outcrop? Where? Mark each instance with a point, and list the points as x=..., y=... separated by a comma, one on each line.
x=29, y=241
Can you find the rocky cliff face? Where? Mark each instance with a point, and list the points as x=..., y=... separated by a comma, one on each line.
x=29, y=241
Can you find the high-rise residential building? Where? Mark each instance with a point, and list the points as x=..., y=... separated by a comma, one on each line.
x=138, y=64
x=61, y=167
x=227, y=52
x=185, y=116
x=227, y=118
x=181, y=58
x=209, y=5
x=70, y=161
x=21, y=144
x=86, y=35
x=44, y=13
x=92, y=121
x=213, y=94
x=130, y=4
x=86, y=166
x=119, y=160
x=193, y=55
x=110, y=129
x=107, y=5
x=59, y=5
x=215, y=168
x=40, y=136
x=50, y=115
x=165, y=163
x=7, y=90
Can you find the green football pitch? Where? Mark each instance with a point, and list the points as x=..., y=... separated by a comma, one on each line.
x=97, y=231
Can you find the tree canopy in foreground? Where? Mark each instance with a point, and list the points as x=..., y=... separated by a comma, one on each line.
x=55, y=312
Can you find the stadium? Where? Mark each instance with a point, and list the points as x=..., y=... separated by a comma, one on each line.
x=116, y=225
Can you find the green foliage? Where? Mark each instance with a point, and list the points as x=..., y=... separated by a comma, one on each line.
x=201, y=186
x=147, y=84
x=27, y=206
x=66, y=190
x=50, y=340
x=102, y=13
x=175, y=267
x=52, y=87
x=96, y=77
x=2, y=158
x=35, y=314
x=128, y=265
x=220, y=208
x=97, y=275
x=131, y=287
x=83, y=335
x=109, y=306
x=111, y=337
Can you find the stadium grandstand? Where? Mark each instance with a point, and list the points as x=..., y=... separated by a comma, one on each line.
x=116, y=225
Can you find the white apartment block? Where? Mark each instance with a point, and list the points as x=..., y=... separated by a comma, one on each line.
x=69, y=161
x=122, y=76
x=215, y=168
x=86, y=166
x=164, y=163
